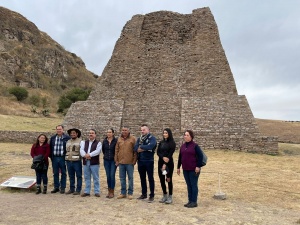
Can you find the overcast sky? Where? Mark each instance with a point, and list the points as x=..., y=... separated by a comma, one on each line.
x=261, y=40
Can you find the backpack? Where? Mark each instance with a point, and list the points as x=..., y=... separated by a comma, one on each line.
x=204, y=157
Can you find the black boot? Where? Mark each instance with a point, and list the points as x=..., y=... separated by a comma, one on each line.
x=38, y=189
x=45, y=190
x=55, y=190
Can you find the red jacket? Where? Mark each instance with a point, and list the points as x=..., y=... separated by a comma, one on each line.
x=41, y=150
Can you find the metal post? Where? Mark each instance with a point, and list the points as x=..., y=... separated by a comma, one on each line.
x=219, y=194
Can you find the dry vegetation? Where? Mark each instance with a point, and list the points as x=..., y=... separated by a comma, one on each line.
x=260, y=189
x=20, y=123
x=10, y=106
x=287, y=131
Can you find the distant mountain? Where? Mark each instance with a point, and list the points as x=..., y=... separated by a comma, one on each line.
x=30, y=58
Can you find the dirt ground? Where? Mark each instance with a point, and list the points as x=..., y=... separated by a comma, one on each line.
x=260, y=189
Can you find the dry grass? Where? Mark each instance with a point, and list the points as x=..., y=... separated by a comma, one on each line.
x=10, y=106
x=287, y=131
x=21, y=123
x=289, y=149
x=260, y=189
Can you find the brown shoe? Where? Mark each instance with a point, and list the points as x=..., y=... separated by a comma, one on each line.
x=121, y=196
x=97, y=195
x=108, y=193
x=130, y=197
x=112, y=193
x=85, y=195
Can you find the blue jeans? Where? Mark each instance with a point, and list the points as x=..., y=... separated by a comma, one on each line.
x=146, y=167
x=192, y=184
x=75, y=168
x=123, y=169
x=41, y=176
x=110, y=169
x=58, y=162
x=91, y=170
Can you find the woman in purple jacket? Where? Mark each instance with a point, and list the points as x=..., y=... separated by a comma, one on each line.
x=190, y=157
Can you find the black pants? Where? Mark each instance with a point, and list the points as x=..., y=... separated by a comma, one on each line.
x=41, y=175
x=162, y=178
x=146, y=168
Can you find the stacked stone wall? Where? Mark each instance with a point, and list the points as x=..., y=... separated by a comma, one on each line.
x=225, y=122
x=28, y=137
x=98, y=115
x=156, y=114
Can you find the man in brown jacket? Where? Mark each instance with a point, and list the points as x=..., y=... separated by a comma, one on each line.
x=125, y=158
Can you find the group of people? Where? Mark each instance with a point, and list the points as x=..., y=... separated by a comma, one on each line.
x=69, y=153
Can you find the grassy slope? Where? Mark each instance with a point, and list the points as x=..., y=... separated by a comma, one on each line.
x=287, y=131
x=20, y=123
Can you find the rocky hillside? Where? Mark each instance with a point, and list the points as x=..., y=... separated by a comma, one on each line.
x=32, y=59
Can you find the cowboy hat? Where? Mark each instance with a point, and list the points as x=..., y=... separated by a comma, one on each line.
x=76, y=130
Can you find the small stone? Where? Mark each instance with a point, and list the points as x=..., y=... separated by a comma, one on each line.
x=220, y=195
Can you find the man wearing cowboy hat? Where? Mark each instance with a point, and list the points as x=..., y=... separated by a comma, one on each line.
x=73, y=160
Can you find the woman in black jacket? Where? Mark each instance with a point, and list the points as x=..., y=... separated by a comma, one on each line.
x=165, y=152
x=108, y=149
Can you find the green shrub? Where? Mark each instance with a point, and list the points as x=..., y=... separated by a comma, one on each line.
x=63, y=103
x=35, y=100
x=45, y=112
x=45, y=102
x=77, y=94
x=33, y=109
x=19, y=92
x=74, y=95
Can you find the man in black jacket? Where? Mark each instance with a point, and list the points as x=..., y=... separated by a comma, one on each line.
x=145, y=147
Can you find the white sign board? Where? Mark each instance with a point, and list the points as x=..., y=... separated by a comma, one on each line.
x=19, y=182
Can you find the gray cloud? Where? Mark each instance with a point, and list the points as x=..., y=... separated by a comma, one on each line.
x=260, y=39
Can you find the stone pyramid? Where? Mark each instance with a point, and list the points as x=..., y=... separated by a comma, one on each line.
x=170, y=70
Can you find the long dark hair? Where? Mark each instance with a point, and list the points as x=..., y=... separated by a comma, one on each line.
x=112, y=131
x=170, y=138
x=37, y=143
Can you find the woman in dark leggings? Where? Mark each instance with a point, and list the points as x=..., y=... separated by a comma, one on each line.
x=41, y=147
x=165, y=152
